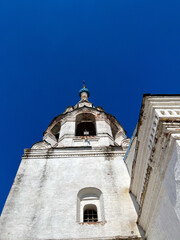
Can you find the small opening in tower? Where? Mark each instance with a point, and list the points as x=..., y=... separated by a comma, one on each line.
x=85, y=125
x=85, y=129
x=90, y=213
x=55, y=130
x=57, y=136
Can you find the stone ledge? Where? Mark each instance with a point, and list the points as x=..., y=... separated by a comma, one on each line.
x=47, y=155
x=95, y=238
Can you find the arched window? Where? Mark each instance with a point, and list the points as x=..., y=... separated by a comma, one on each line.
x=90, y=205
x=85, y=125
x=55, y=130
x=90, y=213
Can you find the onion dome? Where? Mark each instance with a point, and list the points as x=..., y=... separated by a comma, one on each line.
x=84, y=90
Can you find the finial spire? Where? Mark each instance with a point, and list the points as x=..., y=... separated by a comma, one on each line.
x=84, y=92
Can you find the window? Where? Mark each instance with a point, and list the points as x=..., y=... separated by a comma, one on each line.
x=90, y=206
x=85, y=129
x=55, y=130
x=90, y=213
x=85, y=125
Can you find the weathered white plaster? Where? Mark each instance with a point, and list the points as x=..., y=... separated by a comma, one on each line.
x=42, y=201
x=166, y=224
x=154, y=162
x=147, y=124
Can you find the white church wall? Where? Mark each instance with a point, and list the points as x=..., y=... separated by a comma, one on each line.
x=67, y=128
x=155, y=174
x=166, y=225
x=43, y=199
x=103, y=127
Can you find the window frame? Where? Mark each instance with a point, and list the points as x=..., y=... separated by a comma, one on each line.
x=86, y=118
x=90, y=196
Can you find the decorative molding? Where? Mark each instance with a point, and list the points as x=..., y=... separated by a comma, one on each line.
x=41, y=145
x=125, y=143
x=153, y=131
x=54, y=153
x=73, y=155
x=154, y=111
x=155, y=172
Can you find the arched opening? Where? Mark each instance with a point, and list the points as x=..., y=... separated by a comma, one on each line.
x=55, y=130
x=90, y=207
x=85, y=125
x=90, y=213
x=85, y=129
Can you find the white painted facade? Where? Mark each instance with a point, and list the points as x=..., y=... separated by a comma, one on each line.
x=86, y=161
x=68, y=171
x=153, y=161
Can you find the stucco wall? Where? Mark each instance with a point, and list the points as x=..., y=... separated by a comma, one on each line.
x=166, y=225
x=42, y=203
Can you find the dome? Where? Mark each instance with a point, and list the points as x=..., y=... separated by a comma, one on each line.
x=84, y=90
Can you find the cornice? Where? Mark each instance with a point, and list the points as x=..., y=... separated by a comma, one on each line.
x=166, y=135
x=154, y=111
x=98, y=238
x=59, y=153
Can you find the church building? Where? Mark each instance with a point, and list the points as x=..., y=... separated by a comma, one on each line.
x=86, y=180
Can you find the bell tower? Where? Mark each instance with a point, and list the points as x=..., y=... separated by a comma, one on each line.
x=74, y=183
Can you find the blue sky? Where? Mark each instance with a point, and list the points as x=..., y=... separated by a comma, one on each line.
x=121, y=48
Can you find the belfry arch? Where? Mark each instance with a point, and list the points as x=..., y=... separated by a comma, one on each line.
x=55, y=130
x=85, y=125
